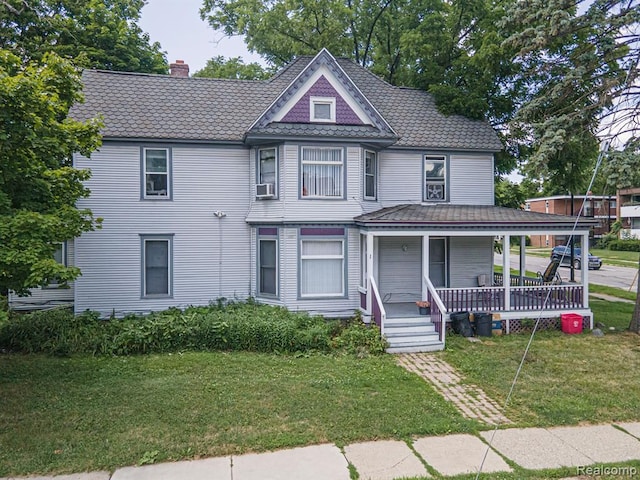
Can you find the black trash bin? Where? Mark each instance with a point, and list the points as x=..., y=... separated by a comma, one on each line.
x=460, y=324
x=483, y=324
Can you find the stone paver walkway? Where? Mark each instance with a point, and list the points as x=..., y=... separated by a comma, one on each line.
x=469, y=399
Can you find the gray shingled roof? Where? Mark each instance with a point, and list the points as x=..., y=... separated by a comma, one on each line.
x=172, y=108
x=476, y=216
x=276, y=129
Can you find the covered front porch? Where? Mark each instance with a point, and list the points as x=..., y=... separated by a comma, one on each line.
x=450, y=263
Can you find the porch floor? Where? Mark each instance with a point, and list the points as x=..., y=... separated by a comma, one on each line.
x=401, y=310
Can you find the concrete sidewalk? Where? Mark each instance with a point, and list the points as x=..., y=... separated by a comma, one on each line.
x=530, y=448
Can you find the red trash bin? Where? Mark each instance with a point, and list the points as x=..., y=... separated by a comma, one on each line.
x=571, y=322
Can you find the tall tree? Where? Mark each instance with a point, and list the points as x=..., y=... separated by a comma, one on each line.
x=579, y=59
x=235, y=68
x=95, y=33
x=38, y=185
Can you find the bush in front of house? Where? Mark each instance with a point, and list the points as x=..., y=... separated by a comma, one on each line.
x=235, y=326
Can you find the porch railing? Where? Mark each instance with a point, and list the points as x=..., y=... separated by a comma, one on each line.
x=560, y=297
x=514, y=280
x=377, y=309
x=438, y=309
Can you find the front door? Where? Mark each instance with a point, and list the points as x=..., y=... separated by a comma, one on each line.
x=438, y=261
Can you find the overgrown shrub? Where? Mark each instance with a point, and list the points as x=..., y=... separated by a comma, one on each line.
x=625, y=245
x=234, y=326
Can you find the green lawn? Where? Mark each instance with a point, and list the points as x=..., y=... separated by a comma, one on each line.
x=69, y=415
x=566, y=379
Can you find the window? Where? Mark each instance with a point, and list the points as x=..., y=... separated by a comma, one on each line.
x=323, y=109
x=60, y=256
x=156, y=172
x=370, y=174
x=322, y=175
x=267, y=167
x=156, y=266
x=322, y=267
x=635, y=223
x=268, y=261
x=435, y=180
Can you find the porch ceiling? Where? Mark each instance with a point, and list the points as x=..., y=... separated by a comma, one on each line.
x=445, y=216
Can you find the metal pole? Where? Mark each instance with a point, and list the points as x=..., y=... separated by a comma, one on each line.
x=572, y=277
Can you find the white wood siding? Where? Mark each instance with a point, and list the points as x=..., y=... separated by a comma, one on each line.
x=400, y=268
x=471, y=179
x=468, y=258
x=211, y=256
x=400, y=177
x=46, y=297
x=291, y=208
x=330, y=307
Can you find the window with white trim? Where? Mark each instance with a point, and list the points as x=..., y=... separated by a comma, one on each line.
x=322, y=109
x=370, y=174
x=268, y=167
x=156, y=266
x=60, y=256
x=435, y=181
x=156, y=173
x=268, y=265
x=322, y=267
x=322, y=172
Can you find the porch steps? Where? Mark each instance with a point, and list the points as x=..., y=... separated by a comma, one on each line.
x=412, y=334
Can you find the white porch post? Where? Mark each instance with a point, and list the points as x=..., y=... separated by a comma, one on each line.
x=425, y=264
x=506, y=271
x=369, y=261
x=523, y=259
x=585, y=269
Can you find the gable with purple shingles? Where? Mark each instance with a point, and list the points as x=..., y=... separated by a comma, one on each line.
x=300, y=112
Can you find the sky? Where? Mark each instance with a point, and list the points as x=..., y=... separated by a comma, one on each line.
x=177, y=26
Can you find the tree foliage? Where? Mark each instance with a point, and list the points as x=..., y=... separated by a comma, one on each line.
x=38, y=185
x=235, y=68
x=95, y=33
x=579, y=60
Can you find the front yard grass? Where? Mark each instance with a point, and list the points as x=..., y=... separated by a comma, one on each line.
x=566, y=379
x=62, y=415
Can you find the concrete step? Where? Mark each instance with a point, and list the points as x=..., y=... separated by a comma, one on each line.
x=410, y=342
x=417, y=320
x=411, y=347
x=408, y=329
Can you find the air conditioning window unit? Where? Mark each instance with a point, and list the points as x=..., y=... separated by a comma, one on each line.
x=265, y=190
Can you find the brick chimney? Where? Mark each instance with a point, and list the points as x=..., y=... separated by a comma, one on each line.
x=179, y=69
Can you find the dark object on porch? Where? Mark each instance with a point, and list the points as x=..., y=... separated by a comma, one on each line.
x=550, y=275
x=483, y=323
x=461, y=324
x=571, y=323
x=424, y=310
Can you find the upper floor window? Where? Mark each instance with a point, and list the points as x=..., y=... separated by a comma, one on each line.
x=156, y=173
x=323, y=109
x=435, y=178
x=268, y=169
x=322, y=172
x=370, y=174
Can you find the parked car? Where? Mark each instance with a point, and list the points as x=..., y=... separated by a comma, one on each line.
x=563, y=253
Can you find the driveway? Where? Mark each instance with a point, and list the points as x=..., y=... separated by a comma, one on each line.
x=609, y=275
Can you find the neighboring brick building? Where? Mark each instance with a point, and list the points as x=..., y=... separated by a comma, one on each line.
x=629, y=211
x=595, y=206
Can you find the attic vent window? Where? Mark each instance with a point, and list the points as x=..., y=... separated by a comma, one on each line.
x=323, y=109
